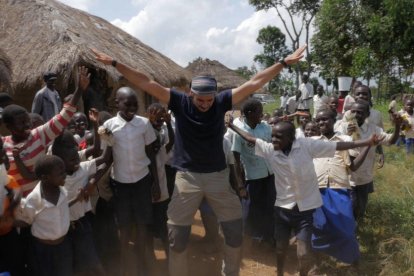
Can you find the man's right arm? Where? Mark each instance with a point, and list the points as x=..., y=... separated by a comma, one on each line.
x=136, y=78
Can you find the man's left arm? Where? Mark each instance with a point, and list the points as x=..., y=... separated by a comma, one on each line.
x=263, y=77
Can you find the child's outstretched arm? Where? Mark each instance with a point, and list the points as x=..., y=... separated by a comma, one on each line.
x=24, y=171
x=94, y=180
x=83, y=83
x=79, y=197
x=94, y=150
x=357, y=162
x=372, y=141
x=150, y=151
x=246, y=136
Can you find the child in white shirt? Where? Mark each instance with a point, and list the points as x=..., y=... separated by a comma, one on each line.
x=46, y=208
x=77, y=179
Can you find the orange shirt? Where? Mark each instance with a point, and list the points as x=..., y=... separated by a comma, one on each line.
x=7, y=224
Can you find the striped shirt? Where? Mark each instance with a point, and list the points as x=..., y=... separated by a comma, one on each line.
x=35, y=146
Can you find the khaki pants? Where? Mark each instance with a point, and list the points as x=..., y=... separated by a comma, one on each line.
x=190, y=189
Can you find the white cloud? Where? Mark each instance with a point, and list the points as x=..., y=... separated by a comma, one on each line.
x=225, y=30
x=79, y=4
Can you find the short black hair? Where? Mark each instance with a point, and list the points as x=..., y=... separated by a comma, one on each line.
x=250, y=105
x=45, y=165
x=64, y=142
x=155, y=106
x=5, y=98
x=290, y=127
x=329, y=111
x=11, y=111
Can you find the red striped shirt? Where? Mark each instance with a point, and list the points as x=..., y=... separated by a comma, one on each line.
x=35, y=146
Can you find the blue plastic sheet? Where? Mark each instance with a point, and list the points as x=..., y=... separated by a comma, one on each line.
x=334, y=226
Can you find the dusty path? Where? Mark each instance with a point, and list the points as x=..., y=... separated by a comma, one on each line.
x=257, y=260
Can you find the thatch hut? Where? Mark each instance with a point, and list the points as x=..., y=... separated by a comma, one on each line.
x=5, y=72
x=41, y=36
x=226, y=78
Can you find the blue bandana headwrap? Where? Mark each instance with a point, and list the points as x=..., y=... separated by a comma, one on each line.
x=204, y=85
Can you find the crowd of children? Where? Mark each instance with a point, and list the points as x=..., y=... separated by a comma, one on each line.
x=80, y=201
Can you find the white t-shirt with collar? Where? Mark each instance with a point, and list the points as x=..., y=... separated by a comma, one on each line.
x=128, y=150
x=73, y=183
x=306, y=98
x=49, y=221
x=295, y=177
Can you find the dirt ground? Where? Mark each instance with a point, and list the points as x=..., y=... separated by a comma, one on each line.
x=257, y=259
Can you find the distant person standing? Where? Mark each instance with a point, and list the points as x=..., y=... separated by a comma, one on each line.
x=392, y=107
x=320, y=101
x=292, y=103
x=283, y=99
x=306, y=89
x=47, y=102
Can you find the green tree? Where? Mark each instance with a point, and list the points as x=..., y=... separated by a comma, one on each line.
x=304, y=10
x=245, y=72
x=335, y=38
x=274, y=48
x=365, y=38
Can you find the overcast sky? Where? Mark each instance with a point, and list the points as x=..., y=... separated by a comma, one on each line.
x=224, y=30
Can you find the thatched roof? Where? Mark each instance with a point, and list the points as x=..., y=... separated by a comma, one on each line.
x=42, y=35
x=226, y=78
x=5, y=72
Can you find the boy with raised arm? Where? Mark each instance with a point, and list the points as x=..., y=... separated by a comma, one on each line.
x=362, y=179
x=297, y=192
x=199, y=156
x=32, y=143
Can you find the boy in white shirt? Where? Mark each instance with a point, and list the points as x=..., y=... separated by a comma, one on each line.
x=134, y=177
x=362, y=179
x=297, y=192
x=77, y=178
x=46, y=208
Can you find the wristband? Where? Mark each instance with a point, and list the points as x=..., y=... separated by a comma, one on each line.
x=283, y=62
x=114, y=63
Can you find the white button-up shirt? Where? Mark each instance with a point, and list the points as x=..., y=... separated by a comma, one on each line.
x=49, y=221
x=319, y=103
x=306, y=99
x=73, y=183
x=128, y=149
x=295, y=177
x=365, y=173
x=334, y=171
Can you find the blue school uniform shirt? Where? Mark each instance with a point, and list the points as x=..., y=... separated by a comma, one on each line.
x=199, y=135
x=255, y=167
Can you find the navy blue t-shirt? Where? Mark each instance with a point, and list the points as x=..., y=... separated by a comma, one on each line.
x=199, y=135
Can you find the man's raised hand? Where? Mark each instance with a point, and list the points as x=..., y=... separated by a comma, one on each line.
x=296, y=56
x=102, y=57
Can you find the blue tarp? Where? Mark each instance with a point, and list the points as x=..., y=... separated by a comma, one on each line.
x=334, y=226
